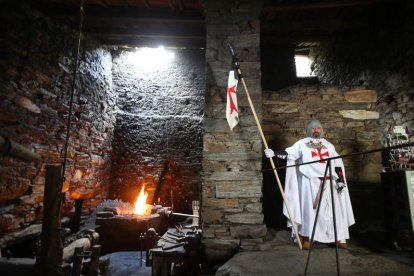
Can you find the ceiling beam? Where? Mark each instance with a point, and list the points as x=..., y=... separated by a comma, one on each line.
x=128, y=13
x=275, y=7
x=103, y=3
x=153, y=42
x=126, y=3
x=147, y=4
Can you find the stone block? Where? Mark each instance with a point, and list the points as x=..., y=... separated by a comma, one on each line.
x=237, y=175
x=285, y=108
x=239, y=189
x=254, y=207
x=212, y=215
x=245, y=218
x=12, y=187
x=359, y=114
x=221, y=203
x=251, y=244
x=221, y=244
x=27, y=104
x=245, y=40
x=248, y=231
x=361, y=96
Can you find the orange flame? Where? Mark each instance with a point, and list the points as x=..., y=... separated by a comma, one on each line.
x=140, y=204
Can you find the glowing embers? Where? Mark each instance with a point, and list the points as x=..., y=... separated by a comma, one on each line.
x=141, y=206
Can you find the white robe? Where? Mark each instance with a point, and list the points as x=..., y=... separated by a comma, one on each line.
x=302, y=185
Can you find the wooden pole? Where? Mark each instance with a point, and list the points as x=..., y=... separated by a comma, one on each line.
x=51, y=245
x=270, y=159
x=14, y=149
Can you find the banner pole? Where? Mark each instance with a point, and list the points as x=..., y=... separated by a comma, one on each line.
x=266, y=146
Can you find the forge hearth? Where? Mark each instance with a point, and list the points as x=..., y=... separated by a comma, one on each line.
x=119, y=230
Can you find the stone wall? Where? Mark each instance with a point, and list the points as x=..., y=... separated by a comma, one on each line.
x=348, y=116
x=36, y=72
x=158, y=141
x=232, y=180
x=364, y=58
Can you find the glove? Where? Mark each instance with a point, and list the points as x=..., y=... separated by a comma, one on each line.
x=339, y=186
x=281, y=154
x=269, y=153
x=340, y=183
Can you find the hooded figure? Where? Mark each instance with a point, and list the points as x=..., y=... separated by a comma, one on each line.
x=303, y=189
x=312, y=125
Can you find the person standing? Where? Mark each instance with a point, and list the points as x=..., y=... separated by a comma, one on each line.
x=303, y=188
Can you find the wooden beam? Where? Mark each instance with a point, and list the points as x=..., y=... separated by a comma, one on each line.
x=154, y=42
x=9, y=147
x=180, y=5
x=171, y=4
x=126, y=3
x=147, y=4
x=272, y=7
x=108, y=20
x=103, y=3
x=172, y=32
x=124, y=13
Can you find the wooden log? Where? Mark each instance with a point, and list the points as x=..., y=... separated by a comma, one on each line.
x=69, y=251
x=51, y=246
x=14, y=149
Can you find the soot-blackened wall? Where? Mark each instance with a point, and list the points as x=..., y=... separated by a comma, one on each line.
x=158, y=140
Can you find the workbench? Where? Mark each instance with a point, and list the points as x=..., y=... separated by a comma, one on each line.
x=169, y=252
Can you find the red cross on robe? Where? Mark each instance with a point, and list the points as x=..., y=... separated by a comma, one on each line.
x=320, y=154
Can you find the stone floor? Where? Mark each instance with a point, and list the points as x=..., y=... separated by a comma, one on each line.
x=280, y=256
x=277, y=256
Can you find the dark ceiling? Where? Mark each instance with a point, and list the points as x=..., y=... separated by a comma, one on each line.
x=181, y=23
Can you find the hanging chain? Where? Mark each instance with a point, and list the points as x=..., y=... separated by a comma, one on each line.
x=75, y=73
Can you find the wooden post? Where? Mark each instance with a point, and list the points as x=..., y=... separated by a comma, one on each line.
x=77, y=262
x=51, y=246
x=75, y=221
x=94, y=264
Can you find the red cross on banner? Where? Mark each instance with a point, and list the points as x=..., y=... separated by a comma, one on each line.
x=232, y=114
x=320, y=154
x=233, y=106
